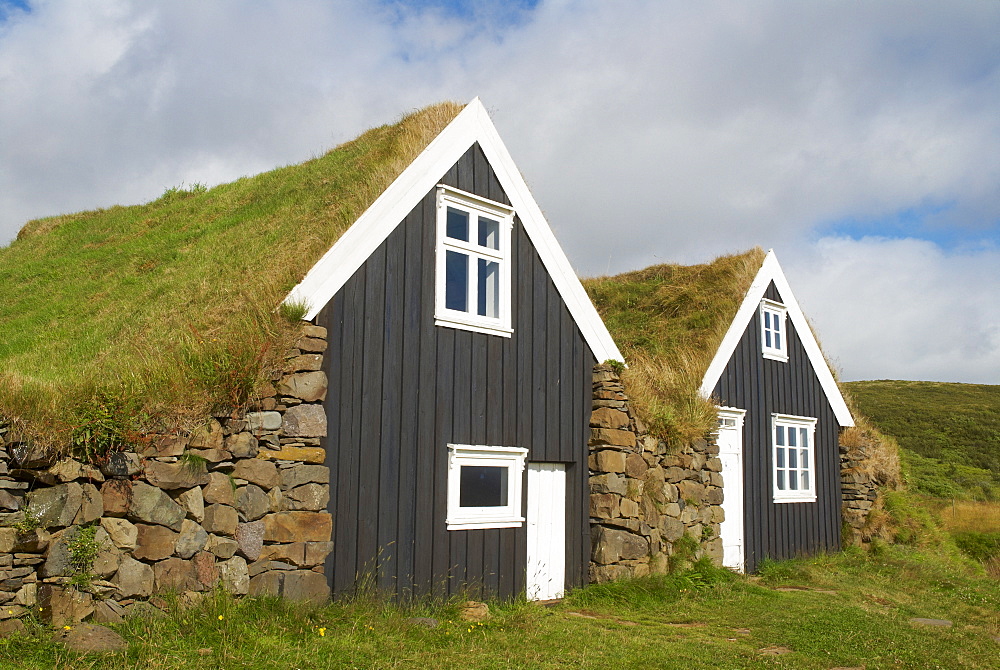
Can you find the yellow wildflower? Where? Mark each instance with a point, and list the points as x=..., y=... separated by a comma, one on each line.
x=220, y=617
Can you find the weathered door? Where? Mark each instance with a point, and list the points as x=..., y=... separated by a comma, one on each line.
x=546, y=518
x=731, y=454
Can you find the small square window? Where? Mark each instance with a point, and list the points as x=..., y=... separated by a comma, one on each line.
x=473, y=263
x=484, y=486
x=794, y=474
x=773, y=338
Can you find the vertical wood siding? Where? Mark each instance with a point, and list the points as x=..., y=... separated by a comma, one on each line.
x=762, y=387
x=401, y=389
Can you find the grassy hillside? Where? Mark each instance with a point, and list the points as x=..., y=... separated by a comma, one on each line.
x=169, y=307
x=950, y=433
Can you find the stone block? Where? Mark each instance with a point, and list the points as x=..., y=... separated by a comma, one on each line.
x=305, y=585
x=250, y=539
x=311, y=496
x=690, y=491
x=304, y=474
x=242, y=445
x=116, y=495
x=193, y=502
x=122, y=464
x=181, y=475
x=219, y=489
x=191, y=539
x=628, y=508
x=266, y=584
x=675, y=474
x=311, y=345
x=252, y=503
x=221, y=520
x=154, y=542
x=234, y=575
x=164, y=446
x=9, y=502
x=304, y=421
x=287, y=453
x=292, y=552
x=608, y=483
x=621, y=438
x=56, y=506
x=713, y=465
x=134, y=578
x=61, y=606
x=257, y=471
x=316, y=552
x=605, y=417
x=672, y=529
x=151, y=505
x=175, y=574
x=212, y=456
x=304, y=363
x=306, y=386
x=713, y=496
x=91, y=505
x=205, y=569
x=609, y=461
x=635, y=466
x=122, y=532
x=263, y=421
x=8, y=539
x=208, y=436
x=611, y=546
x=222, y=547
x=604, y=505
x=298, y=527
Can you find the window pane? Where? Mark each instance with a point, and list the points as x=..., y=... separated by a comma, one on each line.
x=483, y=486
x=781, y=480
x=457, y=225
x=489, y=233
x=805, y=481
x=489, y=288
x=804, y=458
x=780, y=435
x=791, y=437
x=777, y=340
x=793, y=482
x=780, y=453
x=767, y=339
x=456, y=291
x=804, y=437
x=792, y=460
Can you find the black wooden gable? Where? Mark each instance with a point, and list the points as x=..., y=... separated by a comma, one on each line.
x=401, y=389
x=762, y=387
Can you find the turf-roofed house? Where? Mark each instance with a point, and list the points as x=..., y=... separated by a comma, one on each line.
x=730, y=334
x=415, y=417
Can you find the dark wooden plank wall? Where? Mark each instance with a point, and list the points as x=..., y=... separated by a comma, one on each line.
x=761, y=387
x=402, y=389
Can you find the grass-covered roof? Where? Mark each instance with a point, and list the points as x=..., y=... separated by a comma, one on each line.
x=668, y=321
x=168, y=308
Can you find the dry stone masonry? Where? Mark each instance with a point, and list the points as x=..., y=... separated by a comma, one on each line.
x=860, y=490
x=644, y=497
x=241, y=502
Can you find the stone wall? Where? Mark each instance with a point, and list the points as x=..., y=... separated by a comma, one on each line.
x=239, y=502
x=860, y=490
x=645, y=497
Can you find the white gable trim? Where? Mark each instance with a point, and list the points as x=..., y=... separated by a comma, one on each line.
x=471, y=125
x=771, y=271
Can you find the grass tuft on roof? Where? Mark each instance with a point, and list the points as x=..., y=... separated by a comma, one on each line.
x=167, y=310
x=668, y=322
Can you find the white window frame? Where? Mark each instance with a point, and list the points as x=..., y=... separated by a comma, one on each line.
x=796, y=423
x=474, y=206
x=468, y=518
x=777, y=311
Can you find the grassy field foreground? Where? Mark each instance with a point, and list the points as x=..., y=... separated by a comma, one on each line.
x=848, y=610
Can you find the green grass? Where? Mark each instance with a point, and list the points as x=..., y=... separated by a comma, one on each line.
x=668, y=321
x=850, y=609
x=949, y=433
x=171, y=304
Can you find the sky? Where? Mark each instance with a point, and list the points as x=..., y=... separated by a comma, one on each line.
x=859, y=140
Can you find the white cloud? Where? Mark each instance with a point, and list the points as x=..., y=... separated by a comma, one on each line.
x=649, y=130
x=903, y=308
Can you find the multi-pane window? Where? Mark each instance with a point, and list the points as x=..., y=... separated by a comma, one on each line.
x=473, y=266
x=773, y=338
x=794, y=466
x=484, y=486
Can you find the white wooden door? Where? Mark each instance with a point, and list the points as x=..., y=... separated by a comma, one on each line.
x=546, y=518
x=731, y=454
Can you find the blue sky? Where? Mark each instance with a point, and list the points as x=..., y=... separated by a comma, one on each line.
x=861, y=141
